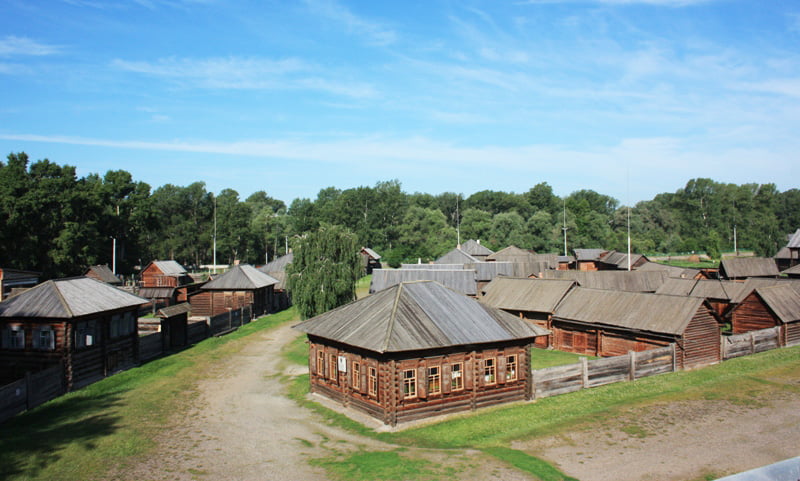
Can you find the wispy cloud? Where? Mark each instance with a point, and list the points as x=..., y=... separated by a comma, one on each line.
x=661, y=3
x=12, y=45
x=375, y=32
x=244, y=74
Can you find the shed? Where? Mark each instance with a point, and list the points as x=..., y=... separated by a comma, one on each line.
x=619, y=260
x=462, y=281
x=102, y=273
x=534, y=300
x=587, y=259
x=793, y=272
x=16, y=279
x=752, y=284
x=164, y=274
x=277, y=270
x=370, y=260
x=767, y=307
x=456, y=256
x=476, y=249
x=609, y=323
x=672, y=271
x=84, y=324
x=174, y=326
x=419, y=349
x=240, y=287
x=741, y=268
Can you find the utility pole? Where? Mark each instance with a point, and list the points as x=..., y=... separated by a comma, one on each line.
x=565, y=228
x=214, y=261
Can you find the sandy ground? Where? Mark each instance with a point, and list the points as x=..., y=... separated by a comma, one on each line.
x=242, y=427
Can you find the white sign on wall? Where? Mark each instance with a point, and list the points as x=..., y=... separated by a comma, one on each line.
x=342, y=364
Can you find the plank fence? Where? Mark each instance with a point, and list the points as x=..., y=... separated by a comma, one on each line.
x=27, y=393
x=150, y=346
x=751, y=342
x=229, y=321
x=553, y=381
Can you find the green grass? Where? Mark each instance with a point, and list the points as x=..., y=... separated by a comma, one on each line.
x=83, y=434
x=378, y=466
x=692, y=265
x=542, y=358
x=362, y=286
x=296, y=351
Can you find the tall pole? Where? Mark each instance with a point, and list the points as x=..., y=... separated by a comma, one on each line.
x=628, y=181
x=215, y=236
x=458, y=224
x=114, y=255
x=565, y=228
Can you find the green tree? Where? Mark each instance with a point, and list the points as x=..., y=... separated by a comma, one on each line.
x=324, y=271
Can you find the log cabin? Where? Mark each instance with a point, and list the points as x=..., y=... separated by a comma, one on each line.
x=476, y=249
x=86, y=325
x=277, y=270
x=419, y=349
x=102, y=273
x=611, y=323
x=718, y=293
x=369, y=260
x=742, y=268
x=241, y=286
x=767, y=307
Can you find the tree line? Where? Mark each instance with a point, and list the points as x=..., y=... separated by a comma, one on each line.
x=57, y=223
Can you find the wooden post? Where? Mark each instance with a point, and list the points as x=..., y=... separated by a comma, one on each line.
x=752, y=342
x=585, y=372
x=27, y=390
x=674, y=357
x=632, y=365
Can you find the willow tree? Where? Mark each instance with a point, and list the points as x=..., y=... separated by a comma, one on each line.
x=324, y=270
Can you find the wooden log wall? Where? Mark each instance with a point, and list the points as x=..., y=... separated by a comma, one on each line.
x=752, y=315
x=791, y=336
x=701, y=341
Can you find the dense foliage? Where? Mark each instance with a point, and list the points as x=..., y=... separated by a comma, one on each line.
x=54, y=222
x=324, y=270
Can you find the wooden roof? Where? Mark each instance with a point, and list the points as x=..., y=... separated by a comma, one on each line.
x=795, y=270
x=752, y=284
x=459, y=280
x=706, y=289
x=168, y=268
x=241, y=278
x=103, y=273
x=486, y=271
x=783, y=300
x=68, y=298
x=629, y=310
x=588, y=254
x=620, y=259
x=794, y=240
x=176, y=310
x=7, y=274
x=633, y=281
x=784, y=253
x=413, y=316
x=523, y=294
x=475, y=248
x=672, y=271
x=456, y=256
x=371, y=253
x=156, y=292
x=744, y=267
x=452, y=267
x=522, y=256
x=277, y=265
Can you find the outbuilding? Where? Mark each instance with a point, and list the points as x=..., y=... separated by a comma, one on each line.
x=419, y=349
x=242, y=286
x=767, y=307
x=86, y=325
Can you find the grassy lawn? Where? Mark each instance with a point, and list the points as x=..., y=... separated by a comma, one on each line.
x=542, y=358
x=362, y=286
x=692, y=265
x=87, y=432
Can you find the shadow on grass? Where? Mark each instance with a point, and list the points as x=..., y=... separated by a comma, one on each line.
x=36, y=439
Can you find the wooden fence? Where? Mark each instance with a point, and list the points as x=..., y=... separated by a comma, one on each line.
x=27, y=393
x=228, y=321
x=150, y=346
x=751, y=342
x=552, y=381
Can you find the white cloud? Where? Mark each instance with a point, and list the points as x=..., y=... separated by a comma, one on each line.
x=789, y=87
x=661, y=3
x=375, y=32
x=245, y=74
x=13, y=45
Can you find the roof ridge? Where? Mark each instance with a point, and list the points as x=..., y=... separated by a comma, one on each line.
x=390, y=327
x=62, y=299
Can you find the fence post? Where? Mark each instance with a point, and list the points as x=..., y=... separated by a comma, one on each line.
x=27, y=390
x=752, y=342
x=632, y=365
x=674, y=357
x=585, y=372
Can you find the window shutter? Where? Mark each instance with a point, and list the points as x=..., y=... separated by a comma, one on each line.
x=422, y=382
x=363, y=384
x=446, y=378
x=36, y=338
x=501, y=369
x=52, y=345
x=6, y=336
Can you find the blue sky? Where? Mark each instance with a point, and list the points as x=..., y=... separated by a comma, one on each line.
x=626, y=97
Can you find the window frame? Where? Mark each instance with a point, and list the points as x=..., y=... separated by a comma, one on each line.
x=434, y=380
x=409, y=383
x=372, y=381
x=511, y=368
x=489, y=371
x=457, y=382
x=333, y=367
x=321, y=363
x=50, y=345
x=355, y=379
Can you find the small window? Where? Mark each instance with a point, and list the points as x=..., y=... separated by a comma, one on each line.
x=356, y=378
x=373, y=382
x=489, y=371
x=44, y=338
x=409, y=383
x=434, y=380
x=14, y=337
x=332, y=368
x=86, y=334
x=511, y=368
x=457, y=376
x=320, y=363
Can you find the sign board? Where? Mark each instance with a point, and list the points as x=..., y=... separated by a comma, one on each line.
x=342, y=364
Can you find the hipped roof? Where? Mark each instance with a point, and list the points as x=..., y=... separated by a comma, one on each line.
x=104, y=273
x=413, y=316
x=68, y=298
x=752, y=284
x=629, y=310
x=241, y=278
x=523, y=294
x=278, y=264
x=169, y=268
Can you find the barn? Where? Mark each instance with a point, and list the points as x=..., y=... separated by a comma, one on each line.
x=611, y=323
x=631, y=281
x=102, y=273
x=240, y=287
x=767, y=307
x=369, y=260
x=741, y=268
x=87, y=325
x=534, y=300
x=419, y=349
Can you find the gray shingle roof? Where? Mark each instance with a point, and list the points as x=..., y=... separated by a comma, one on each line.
x=175, y=310
x=743, y=267
x=794, y=240
x=371, y=253
x=104, y=274
x=672, y=271
x=752, y=284
x=241, y=278
x=456, y=256
x=629, y=310
x=523, y=294
x=588, y=254
x=703, y=288
x=783, y=300
x=634, y=281
x=475, y=248
x=459, y=280
x=278, y=264
x=68, y=298
x=417, y=315
x=170, y=268
x=486, y=271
